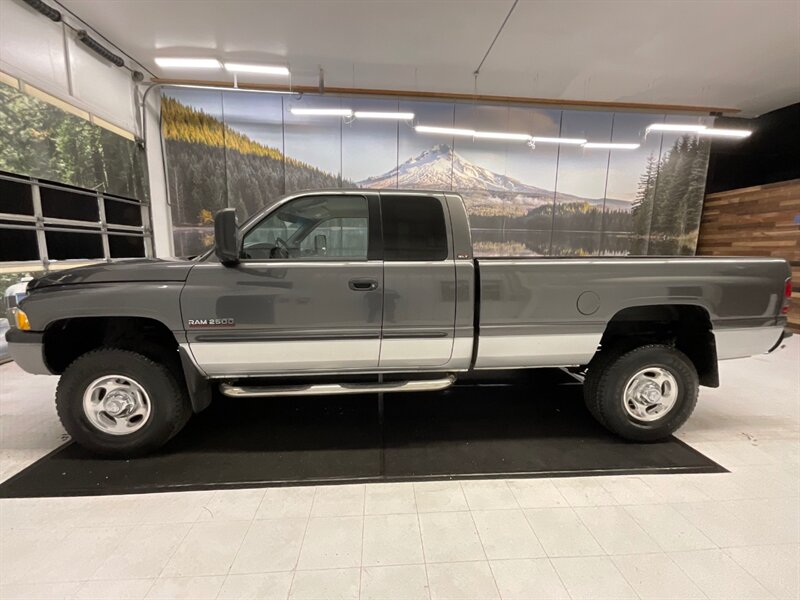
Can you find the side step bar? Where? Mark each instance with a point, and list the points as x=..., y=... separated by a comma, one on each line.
x=332, y=389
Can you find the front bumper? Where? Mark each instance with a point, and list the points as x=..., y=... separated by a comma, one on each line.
x=27, y=350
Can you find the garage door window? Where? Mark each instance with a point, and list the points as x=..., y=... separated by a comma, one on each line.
x=48, y=223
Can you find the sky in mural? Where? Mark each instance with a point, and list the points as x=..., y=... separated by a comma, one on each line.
x=371, y=147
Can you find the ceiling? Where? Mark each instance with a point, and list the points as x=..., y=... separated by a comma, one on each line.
x=743, y=54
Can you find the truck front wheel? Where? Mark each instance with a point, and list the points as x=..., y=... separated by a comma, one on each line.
x=120, y=403
x=644, y=394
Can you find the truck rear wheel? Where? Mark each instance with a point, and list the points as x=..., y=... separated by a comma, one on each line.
x=644, y=394
x=120, y=403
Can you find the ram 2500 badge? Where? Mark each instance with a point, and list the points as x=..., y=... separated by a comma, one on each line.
x=335, y=292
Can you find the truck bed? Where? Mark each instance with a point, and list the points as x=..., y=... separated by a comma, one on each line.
x=553, y=311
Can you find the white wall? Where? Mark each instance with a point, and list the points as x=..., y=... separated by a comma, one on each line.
x=159, y=206
x=48, y=56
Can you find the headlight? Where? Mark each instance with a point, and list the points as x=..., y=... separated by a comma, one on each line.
x=20, y=319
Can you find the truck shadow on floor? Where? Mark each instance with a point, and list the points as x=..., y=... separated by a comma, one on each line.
x=507, y=430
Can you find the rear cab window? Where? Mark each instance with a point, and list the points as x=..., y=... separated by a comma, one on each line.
x=414, y=228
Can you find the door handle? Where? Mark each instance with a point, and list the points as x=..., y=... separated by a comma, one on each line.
x=363, y=285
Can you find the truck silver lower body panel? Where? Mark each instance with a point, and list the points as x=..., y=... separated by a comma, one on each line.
x=743, y=342
x=226, y=358
x=540, y=350
x=413, y=352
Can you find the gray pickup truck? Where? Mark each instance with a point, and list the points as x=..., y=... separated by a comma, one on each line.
x=353, y=291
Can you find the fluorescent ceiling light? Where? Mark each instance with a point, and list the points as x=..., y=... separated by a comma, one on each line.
x=188, y=63
x=675, y=127
x=611, y=146
x=701, y=130
x=263, y=69
x=323, y=112
x=555, y=140
x=397, y=116
x=498, y=135
x=734, y=133
x=444, y=130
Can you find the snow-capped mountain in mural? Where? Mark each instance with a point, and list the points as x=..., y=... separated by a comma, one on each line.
x=440, y=166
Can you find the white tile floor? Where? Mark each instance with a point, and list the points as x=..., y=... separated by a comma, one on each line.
x=733, y=535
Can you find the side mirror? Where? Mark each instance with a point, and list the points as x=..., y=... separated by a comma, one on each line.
x=226, y=237
x=320, y=244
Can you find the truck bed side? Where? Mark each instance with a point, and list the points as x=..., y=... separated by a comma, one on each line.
x=540, y=312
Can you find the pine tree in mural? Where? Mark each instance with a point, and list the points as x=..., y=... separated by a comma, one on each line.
x=669, y=200
x=698, y=170
x=642, y=209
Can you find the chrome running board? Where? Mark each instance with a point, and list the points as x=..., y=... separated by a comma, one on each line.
x=332, y=389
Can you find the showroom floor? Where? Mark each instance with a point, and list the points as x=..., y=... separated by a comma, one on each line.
x=729, y=535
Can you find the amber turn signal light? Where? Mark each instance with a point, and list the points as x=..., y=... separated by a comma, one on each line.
x=21, y=320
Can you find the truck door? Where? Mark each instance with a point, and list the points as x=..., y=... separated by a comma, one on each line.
x=419, y=281
x=306, y=297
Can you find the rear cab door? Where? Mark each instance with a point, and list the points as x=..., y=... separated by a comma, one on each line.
x=419, y=303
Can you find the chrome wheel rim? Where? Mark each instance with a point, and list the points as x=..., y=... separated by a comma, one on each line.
x=650, y=394
x=116, y=404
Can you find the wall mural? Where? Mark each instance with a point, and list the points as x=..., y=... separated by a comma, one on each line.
x=244, y=149
x=40, y=140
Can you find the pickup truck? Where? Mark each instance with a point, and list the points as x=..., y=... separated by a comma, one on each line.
x=354, y=291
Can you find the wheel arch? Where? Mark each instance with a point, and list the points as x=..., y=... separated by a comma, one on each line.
x=67, y=338
x=687, y=327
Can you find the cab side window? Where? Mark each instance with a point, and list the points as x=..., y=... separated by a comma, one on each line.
x=312, y=228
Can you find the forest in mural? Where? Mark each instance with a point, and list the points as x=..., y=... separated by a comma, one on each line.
x=42, y=141
x=244, y=150
x=666, y=205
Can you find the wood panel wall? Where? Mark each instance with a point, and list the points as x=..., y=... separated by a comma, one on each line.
x=756, y=221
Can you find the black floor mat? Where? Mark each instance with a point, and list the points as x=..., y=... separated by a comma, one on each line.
x=537, y=430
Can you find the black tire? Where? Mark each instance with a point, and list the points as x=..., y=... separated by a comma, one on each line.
x=605, y=394
x=169, y=402
x=596, y=368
